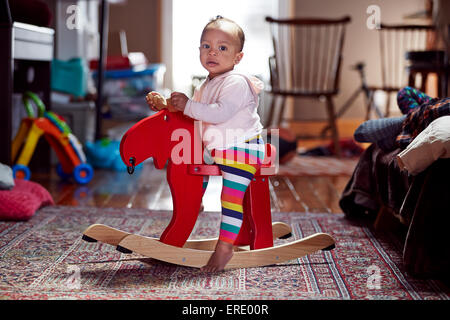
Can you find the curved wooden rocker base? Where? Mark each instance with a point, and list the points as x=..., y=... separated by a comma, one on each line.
x=113, y=236
x=153, y=248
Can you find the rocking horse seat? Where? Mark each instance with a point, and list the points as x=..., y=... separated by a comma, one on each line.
x=267, y=168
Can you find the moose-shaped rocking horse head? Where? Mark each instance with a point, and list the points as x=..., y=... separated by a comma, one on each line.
x=158, y=137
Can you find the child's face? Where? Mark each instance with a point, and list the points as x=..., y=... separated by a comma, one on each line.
x=219, y=51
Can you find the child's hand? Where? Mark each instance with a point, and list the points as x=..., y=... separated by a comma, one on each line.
x=178, y=100
x=155, y=101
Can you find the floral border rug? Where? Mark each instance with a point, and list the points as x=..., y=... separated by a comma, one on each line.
x=45, y=258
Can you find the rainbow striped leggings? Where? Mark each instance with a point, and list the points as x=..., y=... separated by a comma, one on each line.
x=238, y=165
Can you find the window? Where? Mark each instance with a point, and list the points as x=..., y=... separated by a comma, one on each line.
x=188, y=20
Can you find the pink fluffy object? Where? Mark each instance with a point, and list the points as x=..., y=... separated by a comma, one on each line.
x=22, y=201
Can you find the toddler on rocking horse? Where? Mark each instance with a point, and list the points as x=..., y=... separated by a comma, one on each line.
x=226, y=103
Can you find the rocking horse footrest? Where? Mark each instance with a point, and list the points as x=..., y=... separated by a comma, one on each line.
x=214, y=170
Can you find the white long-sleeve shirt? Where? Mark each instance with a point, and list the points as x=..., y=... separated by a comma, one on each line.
x=227, y=106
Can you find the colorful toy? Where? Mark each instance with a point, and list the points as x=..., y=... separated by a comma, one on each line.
x=59, y=136
x=162, y=137
x=105, y=154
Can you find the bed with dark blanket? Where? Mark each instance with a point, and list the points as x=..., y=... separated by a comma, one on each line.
x=421, y=203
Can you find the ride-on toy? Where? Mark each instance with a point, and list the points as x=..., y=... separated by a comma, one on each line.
x=170, y=137
x=72, y=160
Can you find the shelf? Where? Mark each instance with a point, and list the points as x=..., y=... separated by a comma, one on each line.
x=32, y=42
x=25, y=59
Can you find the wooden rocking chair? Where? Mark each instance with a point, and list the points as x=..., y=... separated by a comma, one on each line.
x=306, y=64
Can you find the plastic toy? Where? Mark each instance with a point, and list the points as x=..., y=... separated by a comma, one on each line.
x=105, y=154
x=59, y=136
x=185, y=178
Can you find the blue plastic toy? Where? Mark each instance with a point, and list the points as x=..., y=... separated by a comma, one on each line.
x=105, y=154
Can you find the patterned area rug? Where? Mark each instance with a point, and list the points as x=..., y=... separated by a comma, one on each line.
x=318, y=166
x=45, y=258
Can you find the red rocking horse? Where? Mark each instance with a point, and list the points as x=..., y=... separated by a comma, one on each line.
x=173, y=138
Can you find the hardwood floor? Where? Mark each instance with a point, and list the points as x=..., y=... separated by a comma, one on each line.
x=147, y=188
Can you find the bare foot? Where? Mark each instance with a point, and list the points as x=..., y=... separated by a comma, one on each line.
x=218, y=260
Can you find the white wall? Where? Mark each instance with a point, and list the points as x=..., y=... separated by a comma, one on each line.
x=361, y=43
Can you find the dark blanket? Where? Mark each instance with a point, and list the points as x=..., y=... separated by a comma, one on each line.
x=421, y=203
